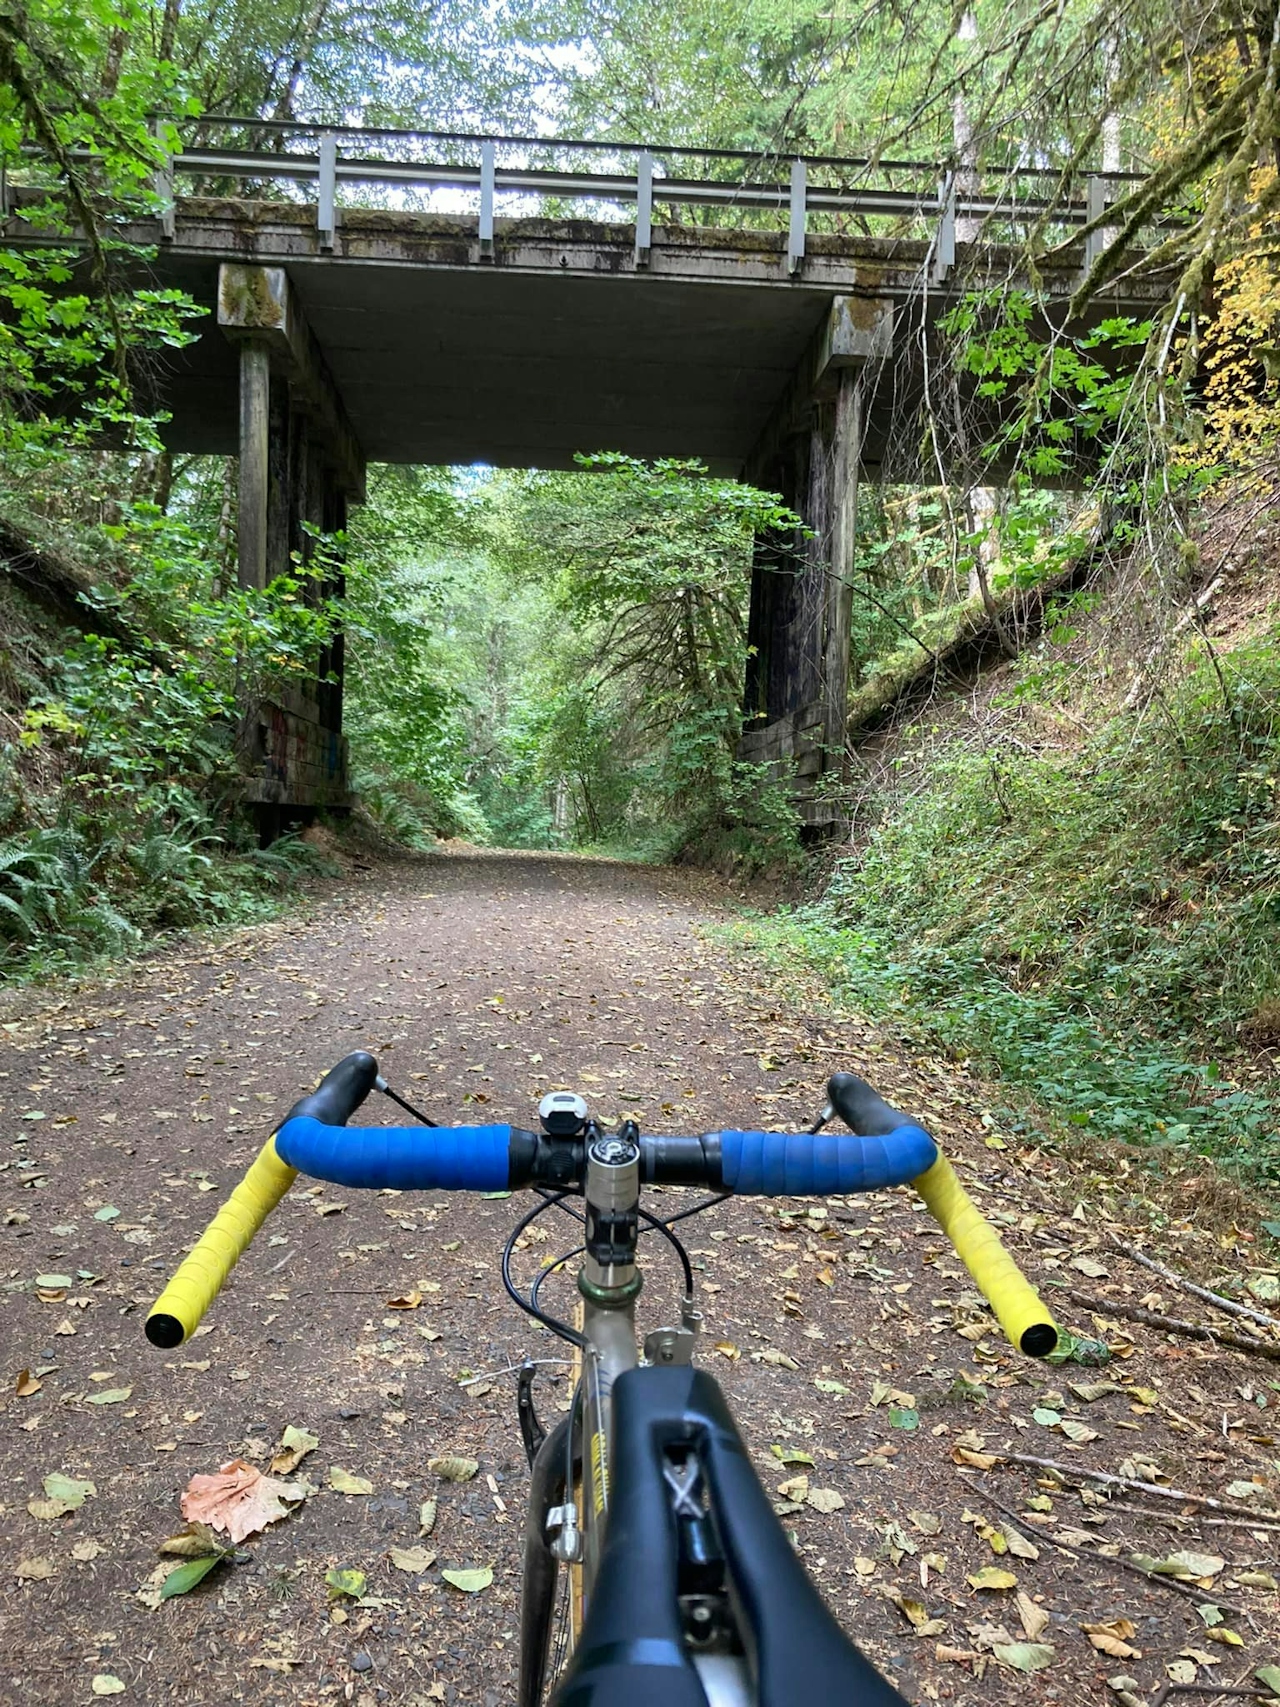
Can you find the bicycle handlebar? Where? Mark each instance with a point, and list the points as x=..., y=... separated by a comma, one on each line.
x=885, y=1148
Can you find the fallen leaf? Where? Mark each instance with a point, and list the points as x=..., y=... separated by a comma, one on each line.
x=978, y=1460
x=1186, y=1565
x=412, y=1559
x=1024, y=1656
x=1088, y=1391
x=470, y=1582
x=196, y=1541
x=35, y=1570
x=1034, y=1618
x=902, y=1416
x=992, y=1577
x=112, y=1396
x=86, y=1550
x=825, y=1386
x=1078, y=1432
x=726, y=1348
x=27, y=1385
x=348, y=1583
x=239, y=1500
x=345, y=1483
x=791, y=1455
x=185, y=1577
x=1019, y=1546
x=1228, y=1637
x=427, y=1517
x=915, y=1614
x=406, y=1301
x=1182, y=1671
x=825, y=1500
x=294, y=1445
x=453, y=1469
x=105, y=1684
x=1089, y=1266
x=63, y=1494
x=1113, y=1638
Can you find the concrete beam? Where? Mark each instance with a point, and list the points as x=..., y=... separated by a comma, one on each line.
x=259, y=304
x=857, y=333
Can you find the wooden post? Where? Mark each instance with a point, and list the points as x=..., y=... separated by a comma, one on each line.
x=844, y=523
x=255, y=436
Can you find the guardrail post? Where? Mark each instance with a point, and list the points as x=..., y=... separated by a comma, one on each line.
x=796, y=232
x=644, y=209
x=326, y=213
x=944, y=243
x=488, y=176
x=162, y=183
x=1097, y=195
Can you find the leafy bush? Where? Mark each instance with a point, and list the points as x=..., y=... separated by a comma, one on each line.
x=1101, y=930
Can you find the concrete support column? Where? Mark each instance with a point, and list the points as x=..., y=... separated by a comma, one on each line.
x=255, y=440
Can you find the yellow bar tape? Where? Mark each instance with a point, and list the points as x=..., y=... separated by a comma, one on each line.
x=1023, y=1317
x=176, y=1313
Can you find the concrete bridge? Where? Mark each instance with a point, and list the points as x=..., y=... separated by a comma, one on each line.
x=770, y=318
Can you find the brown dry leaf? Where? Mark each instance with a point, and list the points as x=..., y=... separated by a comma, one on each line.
x=412, y=1559
x=406, y=1301
x=1034, y=1618
x=239, y=1500
x=825, y=1500
x=86, y=1550
x=1113, y=1638
x=196, y=1541
x=294, y=1445
x=726, y=1348
x=978, y=1460
x=453, y=1468
x=35, y=1570
x=27, y=1384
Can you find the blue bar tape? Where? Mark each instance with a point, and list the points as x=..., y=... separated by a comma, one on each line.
x=814, y=1164
x=404, y=1158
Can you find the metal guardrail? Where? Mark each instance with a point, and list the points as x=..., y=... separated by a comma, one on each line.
x=940, y=198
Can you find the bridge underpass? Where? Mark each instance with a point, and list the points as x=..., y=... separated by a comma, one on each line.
x=778, y=344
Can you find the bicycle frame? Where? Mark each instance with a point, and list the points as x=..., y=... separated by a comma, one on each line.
x=570, y=1493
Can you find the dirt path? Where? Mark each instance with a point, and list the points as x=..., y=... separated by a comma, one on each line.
x=849, y=1341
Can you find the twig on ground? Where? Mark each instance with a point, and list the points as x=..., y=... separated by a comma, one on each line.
x=1196, y=1594
x=1203, y=1522
x=1214, y=1298
x=1173, y=1324
x=1260, y=1693
x=1106, y=1477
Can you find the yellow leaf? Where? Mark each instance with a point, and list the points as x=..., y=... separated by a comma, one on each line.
x=343, y=1482
x=992, y=1577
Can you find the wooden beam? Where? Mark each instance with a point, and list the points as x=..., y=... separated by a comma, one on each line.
x=255, y=441
x=259, y=303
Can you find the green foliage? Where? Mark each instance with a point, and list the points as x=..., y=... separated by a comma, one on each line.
x=1102, y=930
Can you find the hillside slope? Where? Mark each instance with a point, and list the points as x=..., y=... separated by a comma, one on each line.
x=1068, y=865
